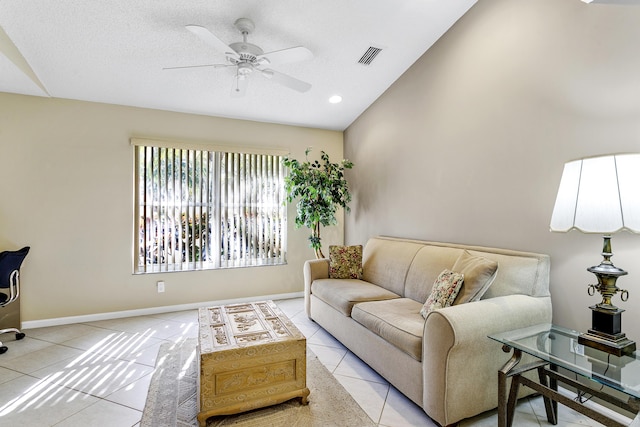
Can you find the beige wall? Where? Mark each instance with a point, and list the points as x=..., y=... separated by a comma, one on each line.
x=468, y=146
x=66, y=180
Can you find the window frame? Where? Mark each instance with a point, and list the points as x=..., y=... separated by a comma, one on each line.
x=246, y=213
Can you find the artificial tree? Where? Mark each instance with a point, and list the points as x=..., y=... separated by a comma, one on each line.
x=320, y=188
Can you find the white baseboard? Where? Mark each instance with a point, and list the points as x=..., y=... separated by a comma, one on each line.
x=31, y=324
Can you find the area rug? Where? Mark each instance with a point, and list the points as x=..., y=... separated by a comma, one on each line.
x=172, y=401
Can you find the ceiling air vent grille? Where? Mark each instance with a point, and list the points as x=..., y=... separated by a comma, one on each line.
x=369, y=55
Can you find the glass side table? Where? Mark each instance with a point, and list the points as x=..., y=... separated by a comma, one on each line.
x=559, y=358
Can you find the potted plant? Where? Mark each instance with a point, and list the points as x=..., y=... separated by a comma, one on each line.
x=320, y=187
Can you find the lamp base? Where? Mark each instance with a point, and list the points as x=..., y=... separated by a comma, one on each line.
x=618, y=345
x=606, y=332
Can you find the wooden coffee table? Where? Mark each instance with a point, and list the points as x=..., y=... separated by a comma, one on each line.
x=250, y=355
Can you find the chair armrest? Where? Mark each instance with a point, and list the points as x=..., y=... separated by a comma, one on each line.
x=460, y=363
x=313, y=269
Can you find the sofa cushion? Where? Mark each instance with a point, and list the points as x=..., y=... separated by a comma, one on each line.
x=397, y=321
x=444, y=292
x=386, y=262
x=425, y=269
x=479, y=273
x=342, y=294
x=519, y=273
x=345, y=262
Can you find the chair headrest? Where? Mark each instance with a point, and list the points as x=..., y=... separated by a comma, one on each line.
x=11, y=261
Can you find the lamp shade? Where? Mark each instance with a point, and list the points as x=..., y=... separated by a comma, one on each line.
x=599, y=195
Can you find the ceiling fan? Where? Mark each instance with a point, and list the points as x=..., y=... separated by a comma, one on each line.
x=251, y=59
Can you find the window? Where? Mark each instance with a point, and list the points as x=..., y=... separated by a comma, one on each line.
x=199, y=209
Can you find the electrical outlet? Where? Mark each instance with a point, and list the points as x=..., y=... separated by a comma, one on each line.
x=576, y=348
x=160, y=286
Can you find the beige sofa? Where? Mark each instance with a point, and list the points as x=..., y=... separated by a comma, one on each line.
x=445, y=364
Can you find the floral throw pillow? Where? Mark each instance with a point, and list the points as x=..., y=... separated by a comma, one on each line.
x=444, y=292
x=345, y=262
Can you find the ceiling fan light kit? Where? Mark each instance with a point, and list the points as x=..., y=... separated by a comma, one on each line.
x=248, y=57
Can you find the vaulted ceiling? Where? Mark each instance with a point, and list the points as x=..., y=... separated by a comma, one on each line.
x=117, y=52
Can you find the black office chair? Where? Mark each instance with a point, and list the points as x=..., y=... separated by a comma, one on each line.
x=10, y=262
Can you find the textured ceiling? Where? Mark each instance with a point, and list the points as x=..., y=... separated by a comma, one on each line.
x=114, y=51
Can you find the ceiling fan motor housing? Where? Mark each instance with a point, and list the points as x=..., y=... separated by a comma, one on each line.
x=249, y=50
x=247, y=55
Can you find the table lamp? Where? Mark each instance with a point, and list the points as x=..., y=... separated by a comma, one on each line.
x=602, y=195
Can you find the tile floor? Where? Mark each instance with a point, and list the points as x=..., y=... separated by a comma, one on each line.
x=98, y=373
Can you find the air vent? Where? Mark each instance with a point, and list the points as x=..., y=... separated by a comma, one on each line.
x=369, y=55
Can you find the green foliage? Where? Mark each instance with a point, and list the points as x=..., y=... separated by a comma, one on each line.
x=321, y=188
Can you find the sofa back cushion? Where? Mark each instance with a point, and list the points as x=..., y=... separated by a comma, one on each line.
x=386, y=262
x=518, y=273
x=425, y=268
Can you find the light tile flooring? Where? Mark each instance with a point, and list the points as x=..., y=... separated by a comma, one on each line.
x=98, y=373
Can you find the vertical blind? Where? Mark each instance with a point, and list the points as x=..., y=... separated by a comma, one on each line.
x=199, y=209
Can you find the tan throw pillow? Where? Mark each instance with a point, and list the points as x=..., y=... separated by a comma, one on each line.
x=345, y=262
x=444, y=292
x=479, y=273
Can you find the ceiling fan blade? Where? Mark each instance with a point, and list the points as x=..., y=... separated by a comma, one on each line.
x=239, y=87
x=286, y=80
x=292, y=54
x=198, y=66
x=213, y=41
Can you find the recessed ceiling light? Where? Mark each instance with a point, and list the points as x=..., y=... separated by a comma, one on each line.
x=335, y=99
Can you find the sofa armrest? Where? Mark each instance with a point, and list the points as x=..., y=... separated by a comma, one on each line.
x=460, y=363
x=313, y=269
